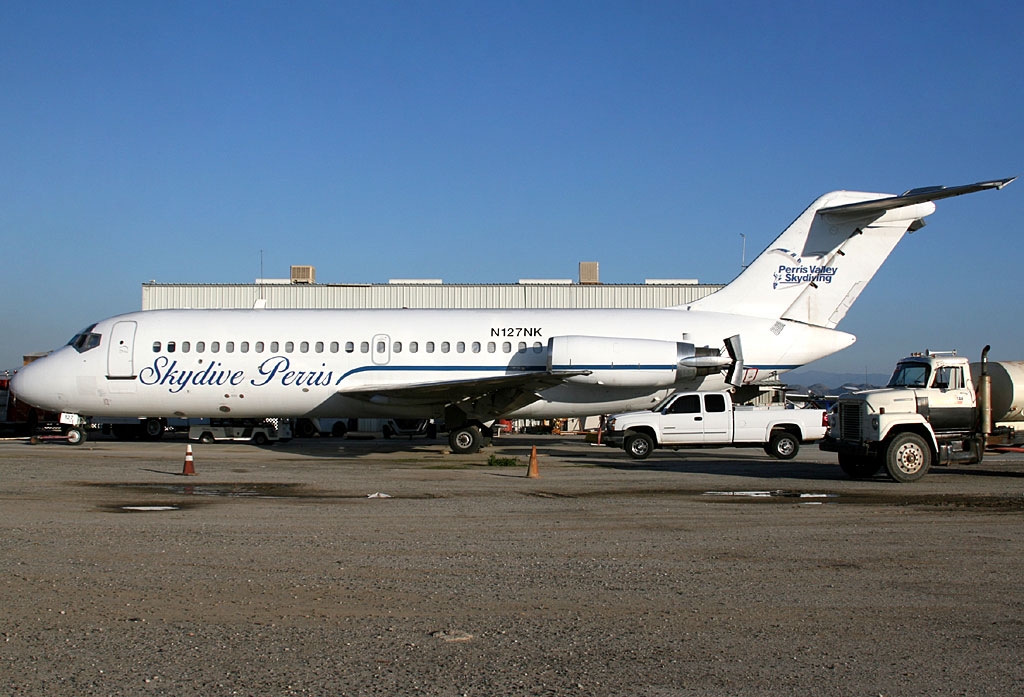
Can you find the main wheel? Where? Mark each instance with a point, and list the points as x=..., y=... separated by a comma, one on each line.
x=908, y=457
x=858, y=466
x=152, y=429
x=465, y=440
x=782, y=445
x=639, y=446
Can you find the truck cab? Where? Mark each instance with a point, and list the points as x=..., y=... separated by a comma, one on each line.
x=928, y=413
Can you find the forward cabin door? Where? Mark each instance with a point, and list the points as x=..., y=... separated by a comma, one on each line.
x=121, y=351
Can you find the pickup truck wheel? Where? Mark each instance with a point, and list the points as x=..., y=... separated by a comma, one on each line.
x=858, y=467
x=783, y=445
x=908, y=457
x=639, y=446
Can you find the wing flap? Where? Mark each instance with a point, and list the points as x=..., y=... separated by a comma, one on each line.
x=486, y=397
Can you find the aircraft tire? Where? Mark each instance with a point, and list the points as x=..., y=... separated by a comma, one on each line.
x=76, y=435
x=465, y=440
x=639, y=446
x=908, y=458
x=152, y=429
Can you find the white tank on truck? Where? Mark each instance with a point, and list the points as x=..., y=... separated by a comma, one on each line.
x=1007, y=389
x=937, y=408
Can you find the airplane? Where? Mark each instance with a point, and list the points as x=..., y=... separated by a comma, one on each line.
x=472, y=366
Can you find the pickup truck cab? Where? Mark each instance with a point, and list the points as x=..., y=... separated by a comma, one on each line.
x=695, y=419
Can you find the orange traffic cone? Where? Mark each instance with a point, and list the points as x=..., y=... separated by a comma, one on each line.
x=531, y=471
x=189, y=468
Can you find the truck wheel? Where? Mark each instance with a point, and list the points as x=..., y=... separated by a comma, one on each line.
x=207, y=437
x=782, y=445
x=260, y=438
x=857, y=467
x=639, y=446
x=908, y=457
x=465, y=440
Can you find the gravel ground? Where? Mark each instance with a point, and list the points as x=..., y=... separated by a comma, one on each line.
x=273, y=573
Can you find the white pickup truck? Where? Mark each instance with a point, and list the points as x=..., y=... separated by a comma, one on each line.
x=693, y=419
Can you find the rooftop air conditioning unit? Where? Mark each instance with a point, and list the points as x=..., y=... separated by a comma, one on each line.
x=303, y=274
x=589, y=273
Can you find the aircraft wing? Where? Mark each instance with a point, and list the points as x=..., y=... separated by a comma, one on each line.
x=479, y=397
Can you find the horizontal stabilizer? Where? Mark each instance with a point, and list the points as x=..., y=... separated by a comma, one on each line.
x=914, y=196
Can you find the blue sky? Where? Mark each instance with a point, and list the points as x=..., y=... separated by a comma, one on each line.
x=492, y=141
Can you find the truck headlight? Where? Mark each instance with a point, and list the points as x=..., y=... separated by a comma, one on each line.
x=874, y=424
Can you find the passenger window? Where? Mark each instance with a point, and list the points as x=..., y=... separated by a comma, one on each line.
x=476, y=347
x=304, y=347
x=319, y=347
x=244, y=347
x=289, y=346
x=714, y=403
x=507, y=347
x=364, y=347
x=349, y=347
x=382, y=346
x=171, y=346
x=491, y=347
x=335, y=347
x=460, y=347
x=229, y=347
x=214, y=347
x=537, y=348
x=414, y=347
x=397, y=348
x=430, y=347
x=186, y=347
x=445, y=347
x=259, y=347
x=156, y=346
x=522, y=347
x=200, y=347
x=274, y=347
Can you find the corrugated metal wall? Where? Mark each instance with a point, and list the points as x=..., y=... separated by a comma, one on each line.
x=157, y=296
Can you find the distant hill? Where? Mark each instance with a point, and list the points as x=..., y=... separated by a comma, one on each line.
x=821, y=382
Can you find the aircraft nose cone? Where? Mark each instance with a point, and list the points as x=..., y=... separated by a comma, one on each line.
x=31, y=384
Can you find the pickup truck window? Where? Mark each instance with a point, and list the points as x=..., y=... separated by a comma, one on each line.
x=714, y=403
x=687, y=404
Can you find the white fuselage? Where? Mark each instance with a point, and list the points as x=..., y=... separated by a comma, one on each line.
x=289, y=363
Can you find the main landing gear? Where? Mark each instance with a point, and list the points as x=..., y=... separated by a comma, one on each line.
x=468, y=439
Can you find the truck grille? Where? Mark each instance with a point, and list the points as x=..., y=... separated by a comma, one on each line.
x=849, y=421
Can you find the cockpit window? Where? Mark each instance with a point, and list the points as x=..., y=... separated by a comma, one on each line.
x=85, y=339
x=910, y=375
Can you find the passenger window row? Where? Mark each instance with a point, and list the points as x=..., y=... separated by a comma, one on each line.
x=380, y=347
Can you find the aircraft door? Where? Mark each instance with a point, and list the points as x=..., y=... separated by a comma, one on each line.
x=381, y=349
x=121, y=350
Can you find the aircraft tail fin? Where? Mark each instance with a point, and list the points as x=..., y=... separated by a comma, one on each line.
x=814, y=271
